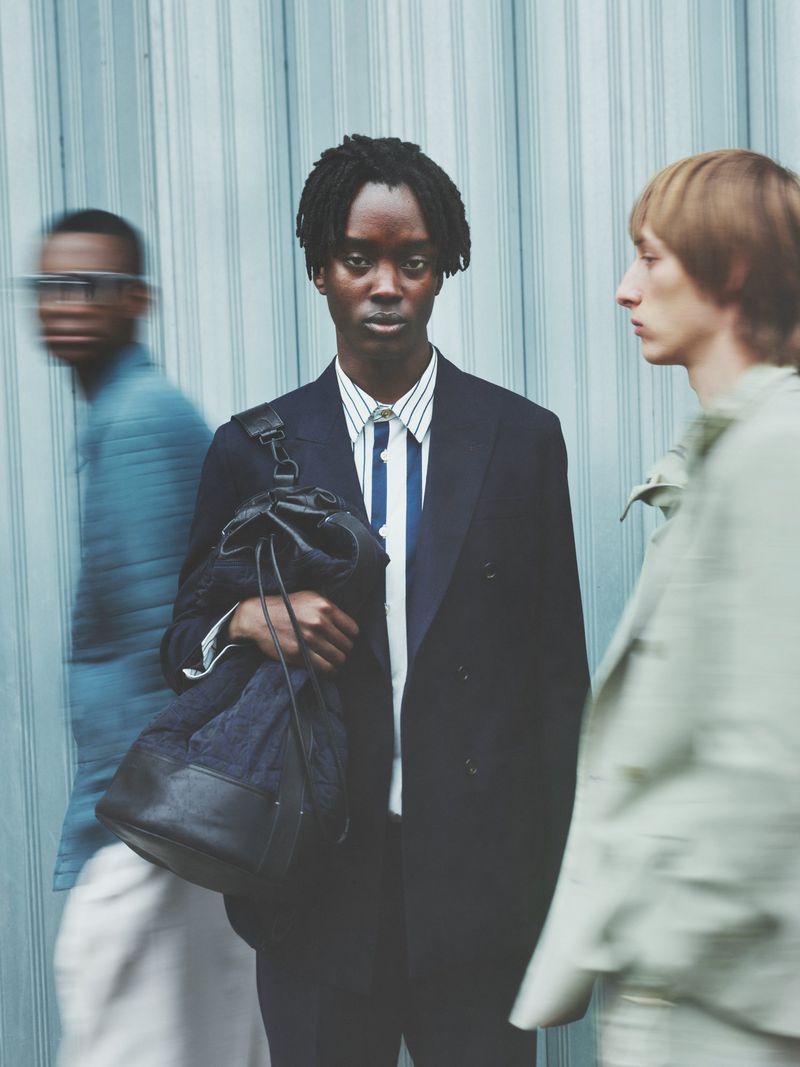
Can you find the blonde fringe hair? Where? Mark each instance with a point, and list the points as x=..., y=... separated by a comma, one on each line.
x=732, y=217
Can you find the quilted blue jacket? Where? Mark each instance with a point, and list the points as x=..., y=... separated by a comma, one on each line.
x=143, y=448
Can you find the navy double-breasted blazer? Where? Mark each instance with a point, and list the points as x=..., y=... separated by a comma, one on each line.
x=496, y=680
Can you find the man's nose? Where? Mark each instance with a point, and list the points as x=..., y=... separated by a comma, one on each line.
x=386, y=285
x=628, y=294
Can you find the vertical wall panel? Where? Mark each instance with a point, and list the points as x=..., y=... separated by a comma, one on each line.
x=223, y=168
x=609, y=92
x=773, y=33
x=104, y=100
x=36, y=504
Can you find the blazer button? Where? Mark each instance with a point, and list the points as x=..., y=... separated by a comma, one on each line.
x=489, y=571
x=470, y=766
x=462, y=673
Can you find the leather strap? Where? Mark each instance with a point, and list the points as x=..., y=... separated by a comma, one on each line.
x=264, y=424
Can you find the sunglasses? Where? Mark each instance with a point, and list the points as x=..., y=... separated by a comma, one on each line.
x=79, y=286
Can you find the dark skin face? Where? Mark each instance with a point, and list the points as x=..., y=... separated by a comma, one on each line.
x=380, y=286
x=85, y=334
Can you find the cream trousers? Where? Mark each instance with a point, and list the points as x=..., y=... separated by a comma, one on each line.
x=642, y=1031
x=149, y=973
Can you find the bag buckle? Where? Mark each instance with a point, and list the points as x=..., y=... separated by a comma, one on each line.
x=286, y=470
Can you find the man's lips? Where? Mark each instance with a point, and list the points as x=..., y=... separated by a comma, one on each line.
x=637, y=326
x=385, y=323
x=54, y=338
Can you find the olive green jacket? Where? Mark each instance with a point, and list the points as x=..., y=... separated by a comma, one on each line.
x=682, y=869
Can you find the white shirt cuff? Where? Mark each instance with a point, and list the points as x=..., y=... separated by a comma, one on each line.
x=211, y=654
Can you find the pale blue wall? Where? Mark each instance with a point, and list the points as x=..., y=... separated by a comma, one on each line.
x=199, y=119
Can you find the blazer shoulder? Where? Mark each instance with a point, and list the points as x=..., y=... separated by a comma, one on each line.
x=290, y=407
x=512, y=407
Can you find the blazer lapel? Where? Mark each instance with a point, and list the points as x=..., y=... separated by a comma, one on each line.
x=325, y=454
x=463, y=431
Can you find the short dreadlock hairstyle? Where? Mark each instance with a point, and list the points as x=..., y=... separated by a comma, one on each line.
x=340, y=172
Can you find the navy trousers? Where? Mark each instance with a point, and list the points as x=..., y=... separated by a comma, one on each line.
x=457, y=1018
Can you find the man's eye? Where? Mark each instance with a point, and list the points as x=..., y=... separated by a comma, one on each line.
x=353, y=259
x=416, y=263
x=647, y=260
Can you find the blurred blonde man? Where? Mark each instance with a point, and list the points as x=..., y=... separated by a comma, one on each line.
x=681, y=880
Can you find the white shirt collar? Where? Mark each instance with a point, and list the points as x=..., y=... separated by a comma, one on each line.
x=414, y=409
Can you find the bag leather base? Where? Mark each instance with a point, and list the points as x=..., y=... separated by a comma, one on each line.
x=255, y=837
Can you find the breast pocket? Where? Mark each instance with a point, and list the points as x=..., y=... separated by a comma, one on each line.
x=501, y=547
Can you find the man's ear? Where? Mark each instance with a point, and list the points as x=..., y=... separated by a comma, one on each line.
x=319, y=280
x=139, y=297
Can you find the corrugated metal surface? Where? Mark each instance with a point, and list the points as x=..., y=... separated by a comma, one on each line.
x=199, y=120
x=37, y=516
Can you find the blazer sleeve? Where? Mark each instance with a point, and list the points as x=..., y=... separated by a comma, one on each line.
x=727, y=875
x=217, y=499
x=561, y=650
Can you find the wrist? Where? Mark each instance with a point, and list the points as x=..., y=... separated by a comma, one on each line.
x=233, y=631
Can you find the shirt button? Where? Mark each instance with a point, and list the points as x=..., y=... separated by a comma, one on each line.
x=470, y=766
x=489, y=571
x=386, y=413
x=462, y=673
x=382, y=532
x=384, y=455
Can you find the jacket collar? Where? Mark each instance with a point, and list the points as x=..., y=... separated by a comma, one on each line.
x=114, y=367
x=667, y=479
x=752, y=389
x=101, y=396
x=414, y=409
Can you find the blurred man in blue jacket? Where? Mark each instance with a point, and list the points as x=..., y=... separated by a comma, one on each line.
x=147, y=971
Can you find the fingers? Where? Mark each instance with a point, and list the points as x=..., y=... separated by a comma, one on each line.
x=327, y=630
x=320, y=664
x=323, y=633
x=343, y=622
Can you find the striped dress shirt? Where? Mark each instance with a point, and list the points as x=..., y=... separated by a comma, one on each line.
x=391, y=443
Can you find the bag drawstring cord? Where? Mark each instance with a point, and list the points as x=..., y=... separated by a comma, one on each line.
x=321, y=702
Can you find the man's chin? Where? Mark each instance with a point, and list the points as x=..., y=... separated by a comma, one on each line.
x=393, y=349
x=660, y=357
x=76, y=354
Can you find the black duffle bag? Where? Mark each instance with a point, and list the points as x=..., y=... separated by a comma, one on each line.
x=239, y=785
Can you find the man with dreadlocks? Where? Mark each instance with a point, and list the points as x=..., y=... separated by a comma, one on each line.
x=464, y=683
